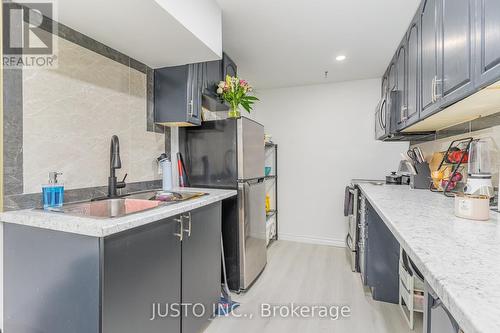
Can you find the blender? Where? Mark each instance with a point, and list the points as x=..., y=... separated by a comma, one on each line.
x=479, y=170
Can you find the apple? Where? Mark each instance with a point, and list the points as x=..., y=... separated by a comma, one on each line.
x=457, y=177
x=451, y=184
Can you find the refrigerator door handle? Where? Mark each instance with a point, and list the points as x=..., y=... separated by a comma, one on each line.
x=252, y=181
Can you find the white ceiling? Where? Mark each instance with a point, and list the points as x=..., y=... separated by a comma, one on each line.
x=156, y=32
x=280, y=43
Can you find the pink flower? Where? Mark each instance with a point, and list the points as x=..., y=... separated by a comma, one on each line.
x=243, y=83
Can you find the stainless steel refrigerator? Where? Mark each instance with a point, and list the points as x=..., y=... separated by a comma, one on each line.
x=229, y=154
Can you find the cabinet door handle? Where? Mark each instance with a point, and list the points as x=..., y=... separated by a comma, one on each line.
x=436, y=92
x=433, y=93
x=404, y=113
x=188, y=217
x=191, y=107
x=180, y=234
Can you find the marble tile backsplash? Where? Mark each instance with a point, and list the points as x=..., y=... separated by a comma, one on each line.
x=70, y=114
x=492, y=134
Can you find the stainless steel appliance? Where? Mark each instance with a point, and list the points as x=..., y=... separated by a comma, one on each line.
x=229, y=154
x=382, y=125
x=355, y=213
x=352, y=229
x=386, y=127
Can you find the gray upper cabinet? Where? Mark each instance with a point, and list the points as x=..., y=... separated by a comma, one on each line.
x=488, y=42
x=392, y=103
x=212, y=75
x=435, y=65
x=428, y=57
x=401, y=108
x=413, y=77
x=181, y=91
x=455, y=48
x=391, y=77
x=228, y=66
x=385, y=84
x=446, y=57
x=178, y=95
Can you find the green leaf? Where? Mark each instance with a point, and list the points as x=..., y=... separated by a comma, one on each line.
x=247, y=108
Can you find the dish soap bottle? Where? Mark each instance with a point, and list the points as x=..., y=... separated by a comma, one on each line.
x=53, y=192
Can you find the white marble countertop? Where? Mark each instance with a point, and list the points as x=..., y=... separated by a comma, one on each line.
x=104, y=227
x=459, y=258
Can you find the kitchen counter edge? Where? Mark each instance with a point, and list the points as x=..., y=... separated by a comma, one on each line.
x=105, y=227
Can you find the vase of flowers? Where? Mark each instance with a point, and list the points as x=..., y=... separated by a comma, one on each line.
x=236, y=92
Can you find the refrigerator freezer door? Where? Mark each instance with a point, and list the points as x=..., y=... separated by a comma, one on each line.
x=210, y=154
x=250, y=149
x=252, y=210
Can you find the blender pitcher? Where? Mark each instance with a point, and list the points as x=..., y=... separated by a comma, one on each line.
x=479, y=169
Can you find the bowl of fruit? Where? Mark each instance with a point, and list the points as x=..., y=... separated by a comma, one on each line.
x=445, y=179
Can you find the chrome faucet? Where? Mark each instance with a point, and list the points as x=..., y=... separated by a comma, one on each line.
x=114, y=163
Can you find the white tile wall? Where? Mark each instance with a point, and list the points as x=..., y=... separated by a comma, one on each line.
x=70, y=114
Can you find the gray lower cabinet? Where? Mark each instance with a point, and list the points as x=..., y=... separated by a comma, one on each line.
x=57, y=282
x=382, y=258
x=488, y=42
x=201, y=266
x=51, y=281
x=142, y=266
x=437, y=319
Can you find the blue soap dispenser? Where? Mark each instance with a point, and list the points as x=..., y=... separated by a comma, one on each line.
x=53, y=192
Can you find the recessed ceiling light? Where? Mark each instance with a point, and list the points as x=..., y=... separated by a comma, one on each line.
x=341, y=58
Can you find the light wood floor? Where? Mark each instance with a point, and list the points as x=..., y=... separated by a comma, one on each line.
x=313, y=275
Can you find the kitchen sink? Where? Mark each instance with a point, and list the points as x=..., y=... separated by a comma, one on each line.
x=109, y=207
x=129, y=204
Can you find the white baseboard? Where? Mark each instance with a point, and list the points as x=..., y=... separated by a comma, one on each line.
x=312, y=240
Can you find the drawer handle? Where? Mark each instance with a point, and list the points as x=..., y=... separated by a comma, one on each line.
x=188, y=217
x=180, y=234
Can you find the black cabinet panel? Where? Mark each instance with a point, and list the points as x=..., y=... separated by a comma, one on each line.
x=201, y=265
x=141, y=266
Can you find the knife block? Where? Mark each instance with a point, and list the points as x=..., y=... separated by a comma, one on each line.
x=422, y=179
